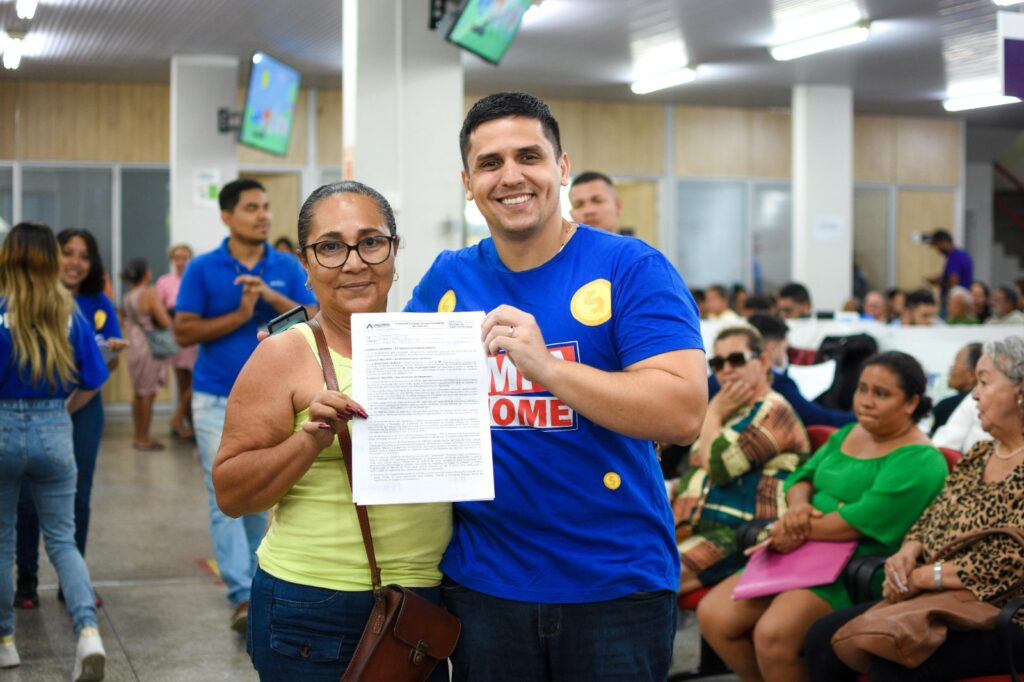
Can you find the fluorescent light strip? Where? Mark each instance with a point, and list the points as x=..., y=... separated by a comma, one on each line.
x=661, y=81
x=1007, y=3
x=12, y=53
x=821, y=43
x=993, y=99
x=26, y=9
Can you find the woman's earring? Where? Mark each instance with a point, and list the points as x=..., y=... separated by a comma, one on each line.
x=309, y=287
x=396, y=276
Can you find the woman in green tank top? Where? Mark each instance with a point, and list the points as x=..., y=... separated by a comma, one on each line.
x=869, y=483
x=311, y=596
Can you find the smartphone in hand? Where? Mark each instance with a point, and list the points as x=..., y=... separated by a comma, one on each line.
x=288, y=319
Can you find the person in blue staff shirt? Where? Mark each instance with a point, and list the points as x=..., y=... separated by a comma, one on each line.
x=594, y=351
x=50, y=368
x=226, y=296
x=82, y=274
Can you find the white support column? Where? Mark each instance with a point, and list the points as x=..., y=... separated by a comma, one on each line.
x=402, y=110
x=822, y=238
x=200, y=85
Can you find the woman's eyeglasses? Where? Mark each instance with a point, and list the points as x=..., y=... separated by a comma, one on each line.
x=332, y=253
x=736, y=360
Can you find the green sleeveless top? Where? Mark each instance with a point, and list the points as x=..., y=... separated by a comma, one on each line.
x=314, y=536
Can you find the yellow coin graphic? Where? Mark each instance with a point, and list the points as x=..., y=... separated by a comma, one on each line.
x=99, y=319
x=612, y=480
x=592, y=303
x=447, y=302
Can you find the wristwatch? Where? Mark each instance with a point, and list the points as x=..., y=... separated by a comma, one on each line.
x=937, y=572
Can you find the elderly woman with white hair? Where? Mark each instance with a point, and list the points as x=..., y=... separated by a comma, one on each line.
x=958, y=307
x=984, y=491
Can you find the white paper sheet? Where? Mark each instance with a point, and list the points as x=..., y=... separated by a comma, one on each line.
x=423, y=379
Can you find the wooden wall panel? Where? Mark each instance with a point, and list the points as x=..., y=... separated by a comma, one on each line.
x=296, y=147
x=640, y=208
x=712, y=141
x=874, y=149
x=572, y=124
x=283, y=191
x=920, y=211
x=928, y=151
x=328, y=125
x=143, y=122
x=771, y=144
x=8, y=118
x=624, y=139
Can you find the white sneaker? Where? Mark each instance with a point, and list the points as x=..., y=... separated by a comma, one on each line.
x=8, y=652
x=89, y=657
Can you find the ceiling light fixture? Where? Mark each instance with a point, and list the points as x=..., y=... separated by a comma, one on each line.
x=26, y=9
x=12, y=52
x=850, y=35
x=668, y=79
x=1007, y=3
x=992, y=99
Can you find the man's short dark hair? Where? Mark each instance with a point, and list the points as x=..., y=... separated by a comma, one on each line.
x=759, y=303
x=503, y=105
x=797, y=292
x=940, y=236
x=591, y=176
x=919, y=297
x=772, y=328
x=720, y=290
x=231, y=193
x=698, y=295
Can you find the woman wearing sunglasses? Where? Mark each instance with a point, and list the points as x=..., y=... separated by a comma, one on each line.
x=750, y=440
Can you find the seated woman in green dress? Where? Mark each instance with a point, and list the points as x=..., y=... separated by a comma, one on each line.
x=750, y=441
x=869, y=482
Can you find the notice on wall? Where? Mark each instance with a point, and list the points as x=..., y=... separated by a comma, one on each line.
x=205, y=187
x=827, y=228
x=422, y=379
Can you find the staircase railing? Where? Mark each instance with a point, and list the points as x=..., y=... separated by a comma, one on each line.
x=1009, y=176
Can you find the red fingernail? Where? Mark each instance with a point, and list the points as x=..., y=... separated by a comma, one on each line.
x=362, y=413
x=323, y=426
x=344, y=415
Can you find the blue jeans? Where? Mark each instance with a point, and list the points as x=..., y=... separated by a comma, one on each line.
x=627, y=639
x=297, y=632
x=87, y=427
x=234, y=540
x=36, y=443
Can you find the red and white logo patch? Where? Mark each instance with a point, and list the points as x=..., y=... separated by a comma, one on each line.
x=518, y=403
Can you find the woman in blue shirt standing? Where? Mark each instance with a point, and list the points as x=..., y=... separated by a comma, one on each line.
x=50, y=366
x=82, y=274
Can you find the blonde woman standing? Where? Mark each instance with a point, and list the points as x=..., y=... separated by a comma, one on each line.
x=48, y=369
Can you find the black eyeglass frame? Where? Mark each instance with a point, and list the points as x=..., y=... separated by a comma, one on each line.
x=351, y=248
x=736, y=360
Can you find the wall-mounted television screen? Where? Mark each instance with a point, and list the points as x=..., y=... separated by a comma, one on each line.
x=487, y=27
x=269, y=105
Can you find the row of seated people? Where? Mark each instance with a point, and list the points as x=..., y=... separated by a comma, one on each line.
x=878, y=480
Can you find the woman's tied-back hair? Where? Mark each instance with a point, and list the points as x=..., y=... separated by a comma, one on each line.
x=308, y=209
x=94, y=281
x=39, y=308
x=755, y=342
x=910, y=376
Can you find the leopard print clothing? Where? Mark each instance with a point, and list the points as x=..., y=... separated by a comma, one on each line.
x=967, y=503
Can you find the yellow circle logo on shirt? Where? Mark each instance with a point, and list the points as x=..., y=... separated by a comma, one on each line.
x=447, y=302
x=592, y=303
x=99, y=318
x=612, y=480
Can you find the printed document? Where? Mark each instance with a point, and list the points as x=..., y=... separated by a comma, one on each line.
x=423, y=380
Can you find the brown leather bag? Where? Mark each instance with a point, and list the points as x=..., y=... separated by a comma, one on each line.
x=909, y=632
x=406, y=635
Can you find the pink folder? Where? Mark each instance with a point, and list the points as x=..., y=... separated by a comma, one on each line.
x=816, y=562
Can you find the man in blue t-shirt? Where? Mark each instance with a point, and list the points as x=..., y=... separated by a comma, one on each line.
x=226, y=296
x=595, y=351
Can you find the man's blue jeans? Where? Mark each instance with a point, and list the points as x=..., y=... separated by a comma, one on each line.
x=627, y=639
x=234, y=540
x=87, y=426
x=36, y=443
x=299, y=632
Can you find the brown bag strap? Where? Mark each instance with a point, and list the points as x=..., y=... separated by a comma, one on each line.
x=967, y=539
x=331, y=379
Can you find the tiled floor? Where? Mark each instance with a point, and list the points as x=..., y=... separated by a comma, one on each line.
x=165, y=616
